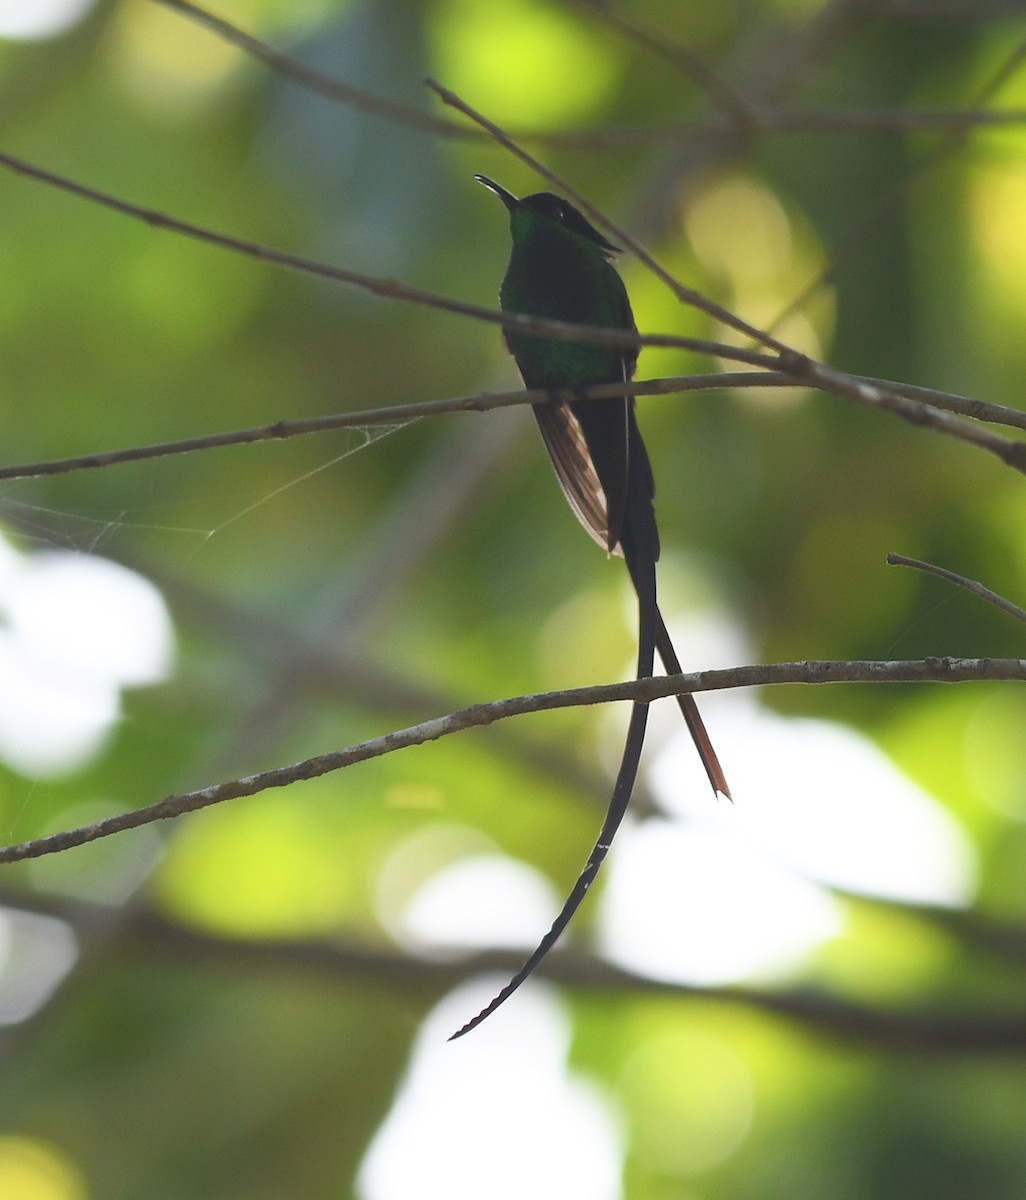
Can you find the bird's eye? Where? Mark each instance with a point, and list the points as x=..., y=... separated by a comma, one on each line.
x=559, y=212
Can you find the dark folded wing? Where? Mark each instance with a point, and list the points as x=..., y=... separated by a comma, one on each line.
x=575, y=469
x=594, y=445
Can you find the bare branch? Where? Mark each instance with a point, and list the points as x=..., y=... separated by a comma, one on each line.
x=816, y=374
x=971, y=585
x=949, y=10
x=872, y=395
x=391, y=289
x=930, y=670
x=968, y=406
x=685, y=294
x=343, y=664
x=803, y=370
x=403, y=414
x=317, y=81
x=946, y=147
x=908, y=1030
x=743, y=116
x=394, y=414
x=740, y=113
x=786, y=119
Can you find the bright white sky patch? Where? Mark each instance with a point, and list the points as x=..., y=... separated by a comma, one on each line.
x=497, y=1114
x=91, y=617
x=31, y=19
x=49, y=722
x=822, y=799
x=718, y=893
x=36, y=952
x=733, y=892
x=701, y=908
x=74, y=630
x=482, y=902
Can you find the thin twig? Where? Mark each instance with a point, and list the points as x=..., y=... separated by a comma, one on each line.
x=403, y=414
x=785, y=119
x=930, y=670
x=1011, y=453
x=391, y=289
x=393, y=414
x=968, y=406
x=971, y=585
x=744, y=116
x=347, y=666
x=815, y=374
x=949, y=10
x=316, y=81
x=739, y=111
x=782, y=119
x=945, y=148
x=685, y=294
x=804, y=371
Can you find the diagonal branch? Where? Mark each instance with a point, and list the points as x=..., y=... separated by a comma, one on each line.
x=803, y=370
x=813, y=373
x=391, y=289
x=971, y=585
x=872, y=395
x=393, y=414
x=738, y=111
x=685, y=294
x=404, y=414
x=743, y=116
x=946, y=147
x=929, y=670
x=317, y=81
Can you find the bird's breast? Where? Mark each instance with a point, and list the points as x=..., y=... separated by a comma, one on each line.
x=547, y=280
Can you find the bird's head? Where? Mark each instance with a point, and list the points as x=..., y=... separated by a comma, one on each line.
x=549, y=207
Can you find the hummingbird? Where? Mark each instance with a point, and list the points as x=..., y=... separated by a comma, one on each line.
x=560, y=268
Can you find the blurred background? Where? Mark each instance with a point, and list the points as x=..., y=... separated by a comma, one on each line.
x=818, y=991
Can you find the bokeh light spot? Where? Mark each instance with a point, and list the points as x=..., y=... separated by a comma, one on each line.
x=521, y=60
x=496, y=1114
x=31, y=1169
x=32, y=20
x=74, y=630
x=691, y=1100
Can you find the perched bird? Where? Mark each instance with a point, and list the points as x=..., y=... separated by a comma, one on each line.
x=559, y=268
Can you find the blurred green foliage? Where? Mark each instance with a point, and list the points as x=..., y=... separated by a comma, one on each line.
x=441, y=561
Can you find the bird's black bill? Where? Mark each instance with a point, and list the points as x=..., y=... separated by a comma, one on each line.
x=507, y=198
